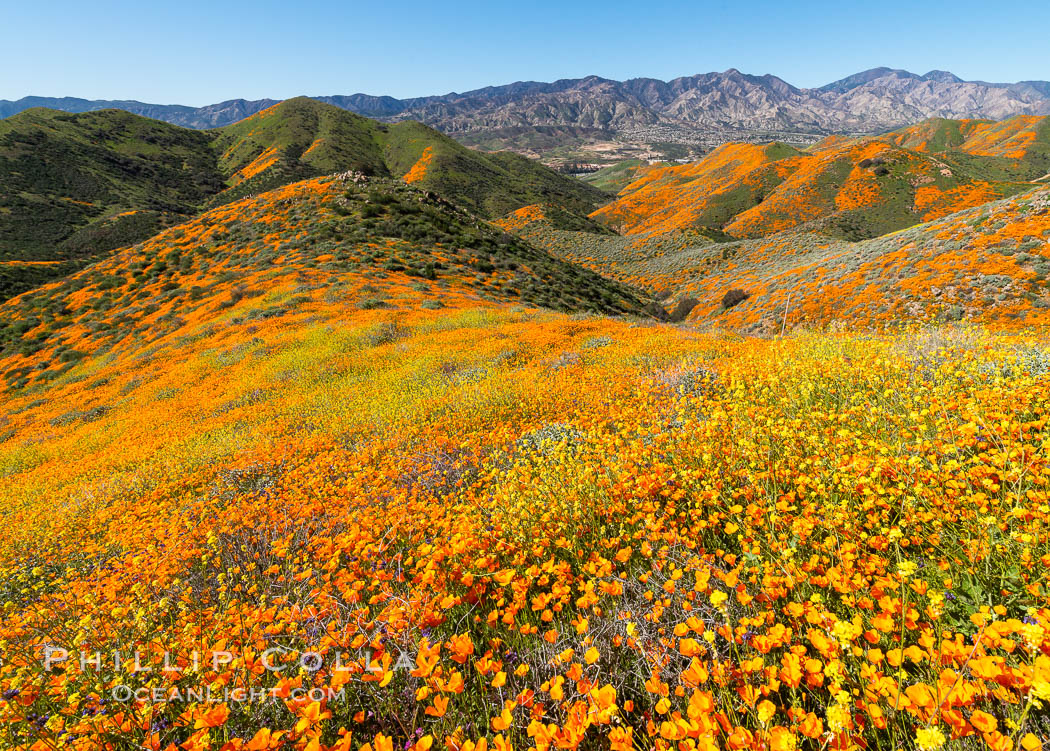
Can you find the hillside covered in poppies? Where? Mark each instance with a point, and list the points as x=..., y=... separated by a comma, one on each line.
x=989, y=263
x=373, y=442
x=854, y=188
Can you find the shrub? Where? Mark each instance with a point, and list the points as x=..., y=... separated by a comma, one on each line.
x=655, y=310
x=734, y=297
x=236, y=295
x=683, y=308
x=384, y=333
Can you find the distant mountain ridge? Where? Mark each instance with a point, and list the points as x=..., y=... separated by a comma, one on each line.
x=869, y=101
x=210, y=116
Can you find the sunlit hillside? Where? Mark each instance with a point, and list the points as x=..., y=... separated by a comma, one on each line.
x=528, y=530
x=848, y=188
x=1022, y=138
x=990, y=263
x=381, y=443
x=350, y=240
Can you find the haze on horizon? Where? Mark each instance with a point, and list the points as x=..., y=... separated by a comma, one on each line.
x=199, y=53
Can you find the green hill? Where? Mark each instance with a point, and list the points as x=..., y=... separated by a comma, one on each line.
x=615, y=177
x=75, y=187
x=1017, y=148
x=295, y=140
x=60, y=174
x=305, y=138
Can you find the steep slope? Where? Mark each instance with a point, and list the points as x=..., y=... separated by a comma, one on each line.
x=730, y=100
x=851, y=188
x=323, y=243
x=706, y=193
x=865, y=189
x=989, y=263
x=74, y=187
x=59, y=172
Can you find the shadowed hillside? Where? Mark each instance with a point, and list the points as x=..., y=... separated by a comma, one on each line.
x=73, y=186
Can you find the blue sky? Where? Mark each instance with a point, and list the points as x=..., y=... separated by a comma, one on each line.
x=197, y=53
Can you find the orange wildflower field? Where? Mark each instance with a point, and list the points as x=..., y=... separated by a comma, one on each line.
x=503, y=527
x=271, y=481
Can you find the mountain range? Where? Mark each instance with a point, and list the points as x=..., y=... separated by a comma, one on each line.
x=871, y=101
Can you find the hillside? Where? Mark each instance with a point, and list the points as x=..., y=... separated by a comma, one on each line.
x=518, y=529
x=615, y=177
x=387, y=445
x=295, y=140
x=74, y=187
x=491, y=184
x=301, y=138
x=366, y=243
x=990, y=263
x=1020, y=144
x=706, y=193
x=850, y=188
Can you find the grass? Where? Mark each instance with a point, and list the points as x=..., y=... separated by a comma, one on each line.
x=615, y=178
